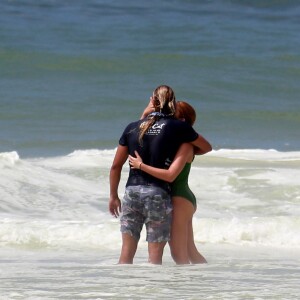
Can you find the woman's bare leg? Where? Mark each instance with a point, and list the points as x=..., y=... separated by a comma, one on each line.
x=182, y=213
x=195, y=256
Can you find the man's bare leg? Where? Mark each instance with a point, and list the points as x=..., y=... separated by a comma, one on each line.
x=129, y=247
x=156, y=251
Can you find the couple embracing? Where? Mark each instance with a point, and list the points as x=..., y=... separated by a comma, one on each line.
x=160, y=147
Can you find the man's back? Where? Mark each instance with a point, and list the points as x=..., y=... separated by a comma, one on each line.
x=159, y=144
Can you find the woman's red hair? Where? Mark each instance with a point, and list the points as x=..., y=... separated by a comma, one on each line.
x=185, y=111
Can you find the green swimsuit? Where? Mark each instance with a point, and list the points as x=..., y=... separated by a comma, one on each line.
x=180, y=185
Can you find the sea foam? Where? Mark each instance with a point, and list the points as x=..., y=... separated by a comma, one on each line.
x=62, y=202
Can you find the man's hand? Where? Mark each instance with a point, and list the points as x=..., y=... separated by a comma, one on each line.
x=114, y=206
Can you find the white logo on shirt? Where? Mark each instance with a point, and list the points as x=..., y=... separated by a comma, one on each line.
x=155, y=129
x=157, y=126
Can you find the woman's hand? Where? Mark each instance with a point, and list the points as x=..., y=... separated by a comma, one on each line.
x=135, y=162
x=149, y=109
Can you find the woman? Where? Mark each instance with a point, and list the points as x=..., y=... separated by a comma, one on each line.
x=183, y=248
x=147, y=199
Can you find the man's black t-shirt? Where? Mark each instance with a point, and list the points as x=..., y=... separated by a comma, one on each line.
x=159, y=146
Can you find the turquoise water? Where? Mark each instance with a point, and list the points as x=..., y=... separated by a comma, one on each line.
x=74, y=74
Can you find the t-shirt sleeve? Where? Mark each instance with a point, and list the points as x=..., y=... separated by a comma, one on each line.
x=189, y=133
x=123, y=139
x=129, y=130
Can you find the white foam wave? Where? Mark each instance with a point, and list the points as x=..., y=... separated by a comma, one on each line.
x=281, y=231
x=68, y=234
x=51, y=187
x=79, y=159
x=255, y=154
x=8, y=159
x=62, y=201
x=92, y=157
x=248, y=154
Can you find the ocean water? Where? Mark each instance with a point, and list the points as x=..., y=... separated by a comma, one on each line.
x=57, y=240
x=74, y=73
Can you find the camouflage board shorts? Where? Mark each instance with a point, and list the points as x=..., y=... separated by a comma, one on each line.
x=149, y=205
